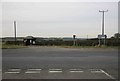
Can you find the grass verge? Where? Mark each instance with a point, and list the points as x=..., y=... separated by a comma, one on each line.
x=90, y=46
x=6, y=46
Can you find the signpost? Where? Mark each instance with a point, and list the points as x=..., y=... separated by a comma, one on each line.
x=102, y=37
x=74, y=42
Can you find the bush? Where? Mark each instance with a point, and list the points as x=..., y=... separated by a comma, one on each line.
x=14, y=43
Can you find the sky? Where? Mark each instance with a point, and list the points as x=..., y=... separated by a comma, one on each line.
x=58, y=19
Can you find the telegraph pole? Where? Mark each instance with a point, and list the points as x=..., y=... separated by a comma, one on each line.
x=15, y=31
x=103, y=20
x=103, y=23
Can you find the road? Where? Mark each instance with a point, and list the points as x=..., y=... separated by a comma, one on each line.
x=60, y=63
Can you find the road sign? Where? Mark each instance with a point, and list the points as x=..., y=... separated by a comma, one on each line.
x=74, y=36
x=102, y=36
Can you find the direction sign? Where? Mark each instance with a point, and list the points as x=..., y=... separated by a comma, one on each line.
x=102, y=36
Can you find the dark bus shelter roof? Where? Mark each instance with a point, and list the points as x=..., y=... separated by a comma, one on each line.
x=29, y=37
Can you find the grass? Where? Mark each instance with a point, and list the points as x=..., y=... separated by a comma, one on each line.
x=7, y=46
x=103, y=46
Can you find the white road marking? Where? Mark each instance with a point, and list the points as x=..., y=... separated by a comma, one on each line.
x=12, y=72
x=55, y=70
x=101, y=71
x=107, y=74
x=17, y=71
x=33, y=71
x=27, y=72
x=14, y=69
x=95, y=70
x=76, y=70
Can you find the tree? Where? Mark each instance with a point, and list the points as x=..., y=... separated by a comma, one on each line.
x=117, y=35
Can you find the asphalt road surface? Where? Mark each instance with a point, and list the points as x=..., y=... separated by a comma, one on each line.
x=60, y=63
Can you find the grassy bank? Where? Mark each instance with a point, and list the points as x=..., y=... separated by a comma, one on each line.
x=102, y=47
x=11, y=46
x=7, y=46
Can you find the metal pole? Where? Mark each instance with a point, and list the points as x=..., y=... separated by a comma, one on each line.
x=103, y=23
x=104, y=41
x=74, y=43
x=99, y=41
x=15, y=30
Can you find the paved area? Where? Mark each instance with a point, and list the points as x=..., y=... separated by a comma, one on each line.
x=60, y=63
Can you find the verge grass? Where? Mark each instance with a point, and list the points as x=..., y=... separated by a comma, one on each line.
x=102, y=47
x=8, y=46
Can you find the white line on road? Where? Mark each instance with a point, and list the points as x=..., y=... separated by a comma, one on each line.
x=27, y=72
x=35, y=69
x=12, y=72
x=107, y=74
x=95, y=70
x=101, y=71
x=55, y=71
x=76, y=70
x=14, y=69
x=17, y=71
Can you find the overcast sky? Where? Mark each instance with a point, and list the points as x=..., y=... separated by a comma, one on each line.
x=58, y=19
